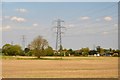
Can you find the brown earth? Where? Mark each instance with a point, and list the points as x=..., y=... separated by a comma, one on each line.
x=71, y=67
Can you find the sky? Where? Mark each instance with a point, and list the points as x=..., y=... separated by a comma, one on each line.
x=88, y=24
x=60, y=0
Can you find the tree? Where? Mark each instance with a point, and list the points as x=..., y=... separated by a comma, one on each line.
x=92, y=52
x=85, y=51
x=61, y=48
x=11, y=50
x=71, y=52
x=65, y=52
x=49, y=51
x=76, y=53
x=5, y=49
x=98, y=49
x=26, y=50
x=17, y=50
x=38, y=45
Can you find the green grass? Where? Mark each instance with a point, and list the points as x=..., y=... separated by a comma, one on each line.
x=39, y=59
x=8, y=57
x=18, y=58
x=52, y=58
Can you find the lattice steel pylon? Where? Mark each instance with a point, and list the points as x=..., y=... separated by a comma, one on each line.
x=58, y=34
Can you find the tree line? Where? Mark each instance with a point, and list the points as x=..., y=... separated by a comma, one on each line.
x=40, y=47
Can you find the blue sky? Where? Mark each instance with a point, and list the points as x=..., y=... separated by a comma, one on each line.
x=87, y=23
x=60, y=0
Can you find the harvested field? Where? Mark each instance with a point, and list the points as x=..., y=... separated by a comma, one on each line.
x=69, y=67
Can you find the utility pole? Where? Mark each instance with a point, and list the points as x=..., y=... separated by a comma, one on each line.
x=11, y=42
x=94, y=48
x=23, y=42
x=59, y=32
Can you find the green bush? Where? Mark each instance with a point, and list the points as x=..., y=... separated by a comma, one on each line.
x=76, y=54
x=85, y=53
x=29, y=53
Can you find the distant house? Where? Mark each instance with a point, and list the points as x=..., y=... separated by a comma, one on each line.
x=115, y=54
x=109, y=54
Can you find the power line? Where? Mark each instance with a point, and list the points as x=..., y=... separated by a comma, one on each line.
x=100, y=11
x=94, y=22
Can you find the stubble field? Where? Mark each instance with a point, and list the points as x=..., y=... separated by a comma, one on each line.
x=68, y=67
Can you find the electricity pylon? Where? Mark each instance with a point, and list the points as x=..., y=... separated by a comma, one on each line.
x=59, y=33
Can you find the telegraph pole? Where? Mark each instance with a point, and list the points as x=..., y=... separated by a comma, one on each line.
x=94, y=47
x=23, y=42
x=11, y=42
x=59, y=32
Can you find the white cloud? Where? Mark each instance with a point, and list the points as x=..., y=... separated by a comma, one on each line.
x=18, y=19
x=108, y=18
x=35, y=24
x=4, y=28
x=6, y=17
x=85, y=18
x=21, y=10
x=69, y=26
x=0, y=19
x=115, y=25
x=7, y=27
x=0, y=28
x=104, y=33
